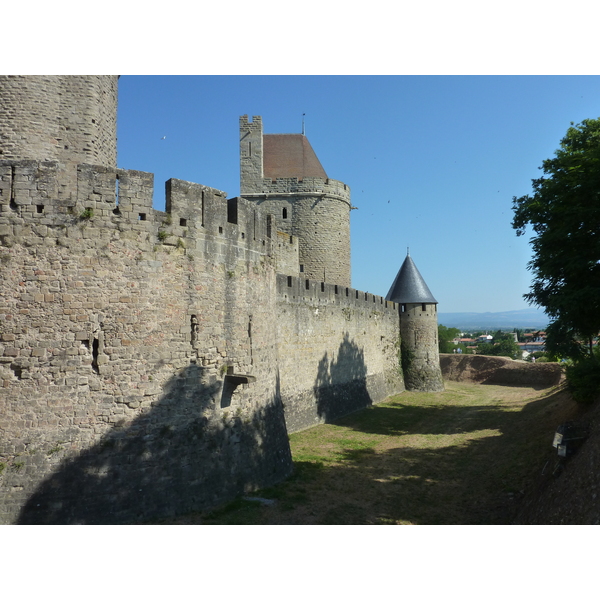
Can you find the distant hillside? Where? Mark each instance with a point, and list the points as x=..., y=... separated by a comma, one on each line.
x=523, y=319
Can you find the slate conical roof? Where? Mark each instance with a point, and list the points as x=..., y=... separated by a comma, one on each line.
x=409, y=286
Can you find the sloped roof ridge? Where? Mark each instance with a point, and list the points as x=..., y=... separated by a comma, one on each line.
x=290, y=155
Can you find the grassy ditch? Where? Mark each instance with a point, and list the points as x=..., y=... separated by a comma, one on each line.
x=463, y=456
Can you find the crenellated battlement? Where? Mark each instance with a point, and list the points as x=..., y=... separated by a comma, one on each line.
x=299, y=289
x=254, y=124
x=35, y=193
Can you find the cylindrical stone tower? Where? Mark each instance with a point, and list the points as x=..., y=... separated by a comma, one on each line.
x=70, y=119
x=282, y=173
x=418, y=330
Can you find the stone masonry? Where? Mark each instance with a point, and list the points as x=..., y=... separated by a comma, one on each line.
x=122, y=330
x=420, y=354
x=68, y=119
x=315, y=210
x=351, y=337
x=153, y=363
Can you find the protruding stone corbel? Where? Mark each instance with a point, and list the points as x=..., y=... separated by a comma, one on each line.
x=236, y=379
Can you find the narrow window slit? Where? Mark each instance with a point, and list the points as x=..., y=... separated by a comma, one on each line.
x=17, y=370
x=116, y=209
x=194, y=326
x=95, y=350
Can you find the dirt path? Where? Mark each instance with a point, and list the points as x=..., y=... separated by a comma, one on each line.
x=463, y=456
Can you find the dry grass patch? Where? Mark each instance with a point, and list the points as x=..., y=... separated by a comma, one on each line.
x=463, y=456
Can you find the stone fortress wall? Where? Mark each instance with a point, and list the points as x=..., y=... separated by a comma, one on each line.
x=351, y=337
x=138, y=353
x=153, y=363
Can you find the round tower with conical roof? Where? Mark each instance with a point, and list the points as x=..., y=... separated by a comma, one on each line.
x=418, y=329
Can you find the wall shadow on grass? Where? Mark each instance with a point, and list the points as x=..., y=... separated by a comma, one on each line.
x=180, y=456
x=450, y=464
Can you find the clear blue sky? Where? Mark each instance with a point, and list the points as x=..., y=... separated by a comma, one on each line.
x=432, y=161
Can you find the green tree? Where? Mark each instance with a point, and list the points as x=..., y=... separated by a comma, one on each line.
x=502, y=335
x=505, y=347
x=445, y=337
x=564, y=213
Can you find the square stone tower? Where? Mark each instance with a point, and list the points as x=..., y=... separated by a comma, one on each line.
x=281, y=173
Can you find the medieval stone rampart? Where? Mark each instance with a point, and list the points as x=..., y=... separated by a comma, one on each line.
x=138, y=353
x=151, y=362
x=338, y=350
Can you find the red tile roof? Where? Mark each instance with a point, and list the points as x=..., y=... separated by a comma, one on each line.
x=290, y=155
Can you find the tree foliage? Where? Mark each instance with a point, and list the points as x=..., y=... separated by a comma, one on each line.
x=564, y=213
x=502, y=335
x=445, y=337
x=505, y=347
